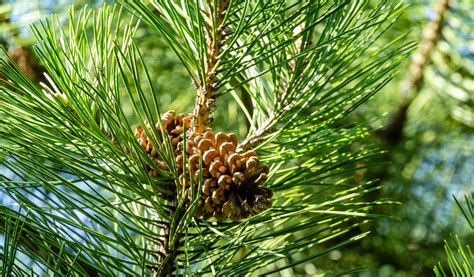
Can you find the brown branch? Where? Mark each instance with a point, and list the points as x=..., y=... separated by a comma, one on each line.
x=23, y=56
x=393, y=132
x=258, y=135
x=167, y=252
x=27, y=62
x=205, y=101
x=207, y=88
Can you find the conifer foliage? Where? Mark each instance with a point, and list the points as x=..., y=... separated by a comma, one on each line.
x=98, y=192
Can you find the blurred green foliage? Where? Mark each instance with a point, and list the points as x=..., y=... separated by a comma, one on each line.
x=434, y=161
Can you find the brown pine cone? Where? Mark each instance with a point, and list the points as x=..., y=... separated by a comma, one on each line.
x=232, y=182
x=173, y=124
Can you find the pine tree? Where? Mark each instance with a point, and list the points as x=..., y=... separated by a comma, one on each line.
x=162, y=193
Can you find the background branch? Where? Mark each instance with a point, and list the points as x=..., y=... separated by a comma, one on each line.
x=393, y=131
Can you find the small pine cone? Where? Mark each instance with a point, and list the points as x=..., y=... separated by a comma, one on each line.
x=232, y=182
x=173, y=125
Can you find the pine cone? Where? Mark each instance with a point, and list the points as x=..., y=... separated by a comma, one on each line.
x=232, y=181
x=173, y=125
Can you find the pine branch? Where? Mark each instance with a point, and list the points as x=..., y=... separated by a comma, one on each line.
x=70, y=136
x=208, y=86
x=258, y=136
x=167, y=252
x=297, y=92
x=76, y=156
x=287, y=85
